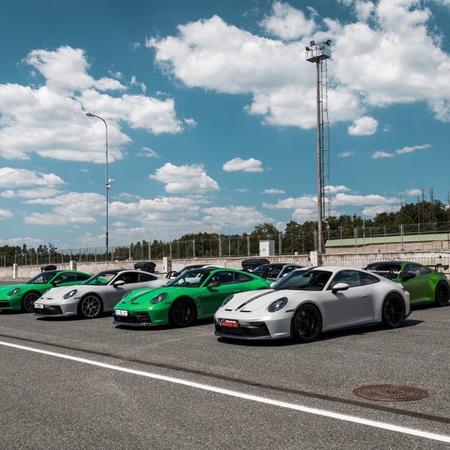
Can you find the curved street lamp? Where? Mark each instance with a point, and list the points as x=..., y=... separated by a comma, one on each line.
x=108, y=182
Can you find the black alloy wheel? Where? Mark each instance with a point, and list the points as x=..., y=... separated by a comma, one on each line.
x=393, y=311
x=182, y=313
x=90, y=307
x=442, y=294
x=28, y=301
x=307, y=324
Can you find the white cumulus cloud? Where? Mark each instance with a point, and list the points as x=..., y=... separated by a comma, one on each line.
x=243, y=165
x=185, y=179
x=363, y=126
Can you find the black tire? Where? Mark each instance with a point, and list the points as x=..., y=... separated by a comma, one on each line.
x=442, y=294
x=183, y=313
x=90, y=307
x=306, y=323
x=393, y=311
x=28, y=301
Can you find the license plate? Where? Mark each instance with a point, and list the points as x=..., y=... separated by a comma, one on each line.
x=229, y=323
x=121, y=312
x=39, y=306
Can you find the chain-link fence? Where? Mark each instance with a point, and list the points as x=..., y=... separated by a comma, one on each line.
x=214, y=246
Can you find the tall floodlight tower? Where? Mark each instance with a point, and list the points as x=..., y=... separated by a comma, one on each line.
x=319, y=53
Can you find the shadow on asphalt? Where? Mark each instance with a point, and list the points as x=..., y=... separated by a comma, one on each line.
x=69, y=318
x=330, y=335
x=164, y=327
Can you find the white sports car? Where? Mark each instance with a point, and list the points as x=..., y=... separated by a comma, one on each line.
x=96, y=295
x=309, y=301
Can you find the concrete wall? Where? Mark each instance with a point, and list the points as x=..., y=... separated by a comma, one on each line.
x=343, y=259
x=391, y=247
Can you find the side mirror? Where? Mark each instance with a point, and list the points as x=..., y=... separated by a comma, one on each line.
x=118, y=283
x=339, y=287
x=213, y=284
x=272, y=285
x=405, y=276
x=55, y=283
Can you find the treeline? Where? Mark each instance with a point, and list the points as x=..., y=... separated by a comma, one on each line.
x=421, y=217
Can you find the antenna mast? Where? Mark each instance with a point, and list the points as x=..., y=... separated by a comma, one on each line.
x=319, y=53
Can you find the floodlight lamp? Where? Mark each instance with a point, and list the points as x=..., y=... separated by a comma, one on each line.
x=312, y=43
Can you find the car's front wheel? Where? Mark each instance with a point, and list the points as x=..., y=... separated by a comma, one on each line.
x=307, y=324
x=442, y=294
x=28, y=301
x=182, y=313
x=393, y=311
x=90, y=307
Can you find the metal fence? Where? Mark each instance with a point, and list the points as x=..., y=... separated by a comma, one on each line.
x=214, y=246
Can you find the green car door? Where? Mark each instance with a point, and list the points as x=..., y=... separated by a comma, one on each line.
x=419, y=287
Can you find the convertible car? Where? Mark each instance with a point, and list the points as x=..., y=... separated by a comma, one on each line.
x=21, y=297
x=195, y=294
x=308, y=302
x=424, y=283
x=96, y=295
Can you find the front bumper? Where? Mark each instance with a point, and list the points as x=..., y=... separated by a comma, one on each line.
x=133, y=320
x=53, y=308
x=255, y=328
x=12, y=304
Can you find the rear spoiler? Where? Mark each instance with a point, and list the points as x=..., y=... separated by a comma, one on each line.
x=437, y=266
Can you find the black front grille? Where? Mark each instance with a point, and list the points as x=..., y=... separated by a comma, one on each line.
x=4, y=304
x=133, y=318
x=48, y=310
x=255, y=329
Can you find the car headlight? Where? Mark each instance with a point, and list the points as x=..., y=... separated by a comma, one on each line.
x=14, y=292
x=277, y=304
x=227, y=300
x=70, y=294
x=159, y=298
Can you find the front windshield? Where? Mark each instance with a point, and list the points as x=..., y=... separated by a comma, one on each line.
x=305, y=280
x=101, y=278
x=190, y=278
x=42, y=278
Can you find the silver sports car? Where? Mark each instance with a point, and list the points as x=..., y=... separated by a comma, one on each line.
x=96, y=295
x=307, y=302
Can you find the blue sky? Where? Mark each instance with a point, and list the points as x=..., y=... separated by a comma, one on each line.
x=211, y=112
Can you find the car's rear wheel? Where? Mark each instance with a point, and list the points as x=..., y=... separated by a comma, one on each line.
x=28, y=301
x=307, y=324
x=393, y=311
x=182, y=313
x=442, y=294
x=90, y=307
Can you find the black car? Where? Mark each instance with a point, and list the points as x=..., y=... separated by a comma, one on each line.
x=275, y=271
x=250, y=264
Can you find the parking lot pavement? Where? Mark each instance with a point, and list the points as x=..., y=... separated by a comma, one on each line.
x=53, y=402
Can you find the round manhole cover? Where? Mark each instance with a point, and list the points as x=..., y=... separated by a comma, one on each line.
x=390, y=393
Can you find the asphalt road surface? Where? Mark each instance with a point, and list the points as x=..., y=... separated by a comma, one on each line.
x=78, y=384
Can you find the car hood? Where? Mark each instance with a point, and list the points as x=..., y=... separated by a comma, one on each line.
x=140, y=297
x=260, y=300
x=59, y=292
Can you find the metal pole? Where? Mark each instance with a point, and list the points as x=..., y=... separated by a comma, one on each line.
x=107, y=183
x=319, y=169
x=248, y=245
x=220, y=247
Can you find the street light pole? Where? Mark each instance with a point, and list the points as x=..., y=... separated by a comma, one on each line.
x=107, y=180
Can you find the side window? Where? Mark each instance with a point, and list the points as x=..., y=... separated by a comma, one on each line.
x=129, y=277
x=413, y=268
x=366, y=279
x=274, y=271
x=424, y=270
x=82, y=277
x=66, y=277
x=350, y=277
x=224, y=277
x=241, y=278
x=146, y=277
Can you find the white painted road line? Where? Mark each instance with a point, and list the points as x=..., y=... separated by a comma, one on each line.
x=242, y=395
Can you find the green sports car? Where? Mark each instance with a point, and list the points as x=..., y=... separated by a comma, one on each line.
x=194, y=294
x=424, y=283
x=21, y=297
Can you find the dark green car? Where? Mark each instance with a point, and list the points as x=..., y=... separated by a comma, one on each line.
x=194, y=294
x=21, y=297
x=424, y=283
